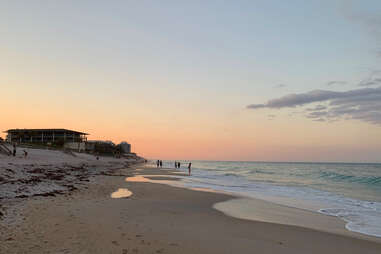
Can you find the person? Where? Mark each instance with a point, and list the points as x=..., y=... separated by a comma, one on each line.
x=157, y=163
x=175, y=164
x=189, y=167
x=14, y=150
x=161, y=163
x=178, y=164
x=25, y=154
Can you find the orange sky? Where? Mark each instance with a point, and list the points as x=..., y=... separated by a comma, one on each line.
x=176, y=87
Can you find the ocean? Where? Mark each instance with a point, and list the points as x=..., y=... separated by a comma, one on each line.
x=349, y=191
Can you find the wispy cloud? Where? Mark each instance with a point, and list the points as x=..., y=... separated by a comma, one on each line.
x=336, y=82
x=317, y=108
x=374, y=79
x=280, y=86
x=362, y=104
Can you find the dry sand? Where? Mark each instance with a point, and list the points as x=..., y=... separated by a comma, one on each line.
x=157, y=218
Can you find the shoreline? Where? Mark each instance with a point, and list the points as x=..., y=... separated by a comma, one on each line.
x=157, y=218
x=349, y=193
x=256, y=209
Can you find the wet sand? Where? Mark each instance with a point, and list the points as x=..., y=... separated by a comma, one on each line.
x=156, y=218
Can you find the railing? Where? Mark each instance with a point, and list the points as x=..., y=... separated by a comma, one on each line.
x=4, y=149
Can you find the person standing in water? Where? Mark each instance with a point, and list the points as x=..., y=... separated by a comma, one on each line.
x=161, y=164
x=189, y=167
x=175, y=164
x=178, y=164
x=157, y=164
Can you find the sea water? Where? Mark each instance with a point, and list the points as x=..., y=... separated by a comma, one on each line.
x=349, y=191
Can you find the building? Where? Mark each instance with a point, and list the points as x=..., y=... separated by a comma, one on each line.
x=45, y=136
x=125, y=147
x=76, y=146
x=100, y=147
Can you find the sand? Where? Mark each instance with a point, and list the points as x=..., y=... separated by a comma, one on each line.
x=48, y=172
x=156, y=218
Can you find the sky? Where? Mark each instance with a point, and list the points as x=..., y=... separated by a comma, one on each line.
x=211, y=80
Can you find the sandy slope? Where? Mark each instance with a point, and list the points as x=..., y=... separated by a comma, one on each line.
x=50, y=172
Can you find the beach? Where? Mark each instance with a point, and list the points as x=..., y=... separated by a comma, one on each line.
x=159, y=218
x=191, y=127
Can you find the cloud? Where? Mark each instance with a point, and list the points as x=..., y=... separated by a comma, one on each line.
x=374, y=82
x=293, y=100
x=317, y=108
x=362, y=104
x=336, y=82
x=374, y=79
x=319, y=120
x=280, y=86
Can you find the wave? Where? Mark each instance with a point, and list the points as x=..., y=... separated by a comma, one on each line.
x=369, y=180
x=231, y=174
x=361, y=220
x=349, y=191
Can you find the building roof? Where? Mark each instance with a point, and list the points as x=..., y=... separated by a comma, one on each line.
x=25, y=130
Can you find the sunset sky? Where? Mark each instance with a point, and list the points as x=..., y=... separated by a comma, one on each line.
x=214, y=80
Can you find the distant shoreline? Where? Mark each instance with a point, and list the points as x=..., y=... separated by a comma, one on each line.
x=284, y=162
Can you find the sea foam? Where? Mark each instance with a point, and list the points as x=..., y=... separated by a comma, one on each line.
x=351, y=192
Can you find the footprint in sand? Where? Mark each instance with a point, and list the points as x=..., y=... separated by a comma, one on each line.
x=115, y=242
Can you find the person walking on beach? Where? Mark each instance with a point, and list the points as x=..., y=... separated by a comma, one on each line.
x=178, y=164
x=157, y=164
x=175, y=164
x=14, y=150
x=161, y=163
x=189, y=167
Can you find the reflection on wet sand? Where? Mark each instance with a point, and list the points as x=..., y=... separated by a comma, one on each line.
x=166, y=179
x=171, y=180
x=121, y=193
x=137, y=178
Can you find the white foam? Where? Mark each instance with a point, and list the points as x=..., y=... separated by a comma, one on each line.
x=359, y=220
x=360, y=216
